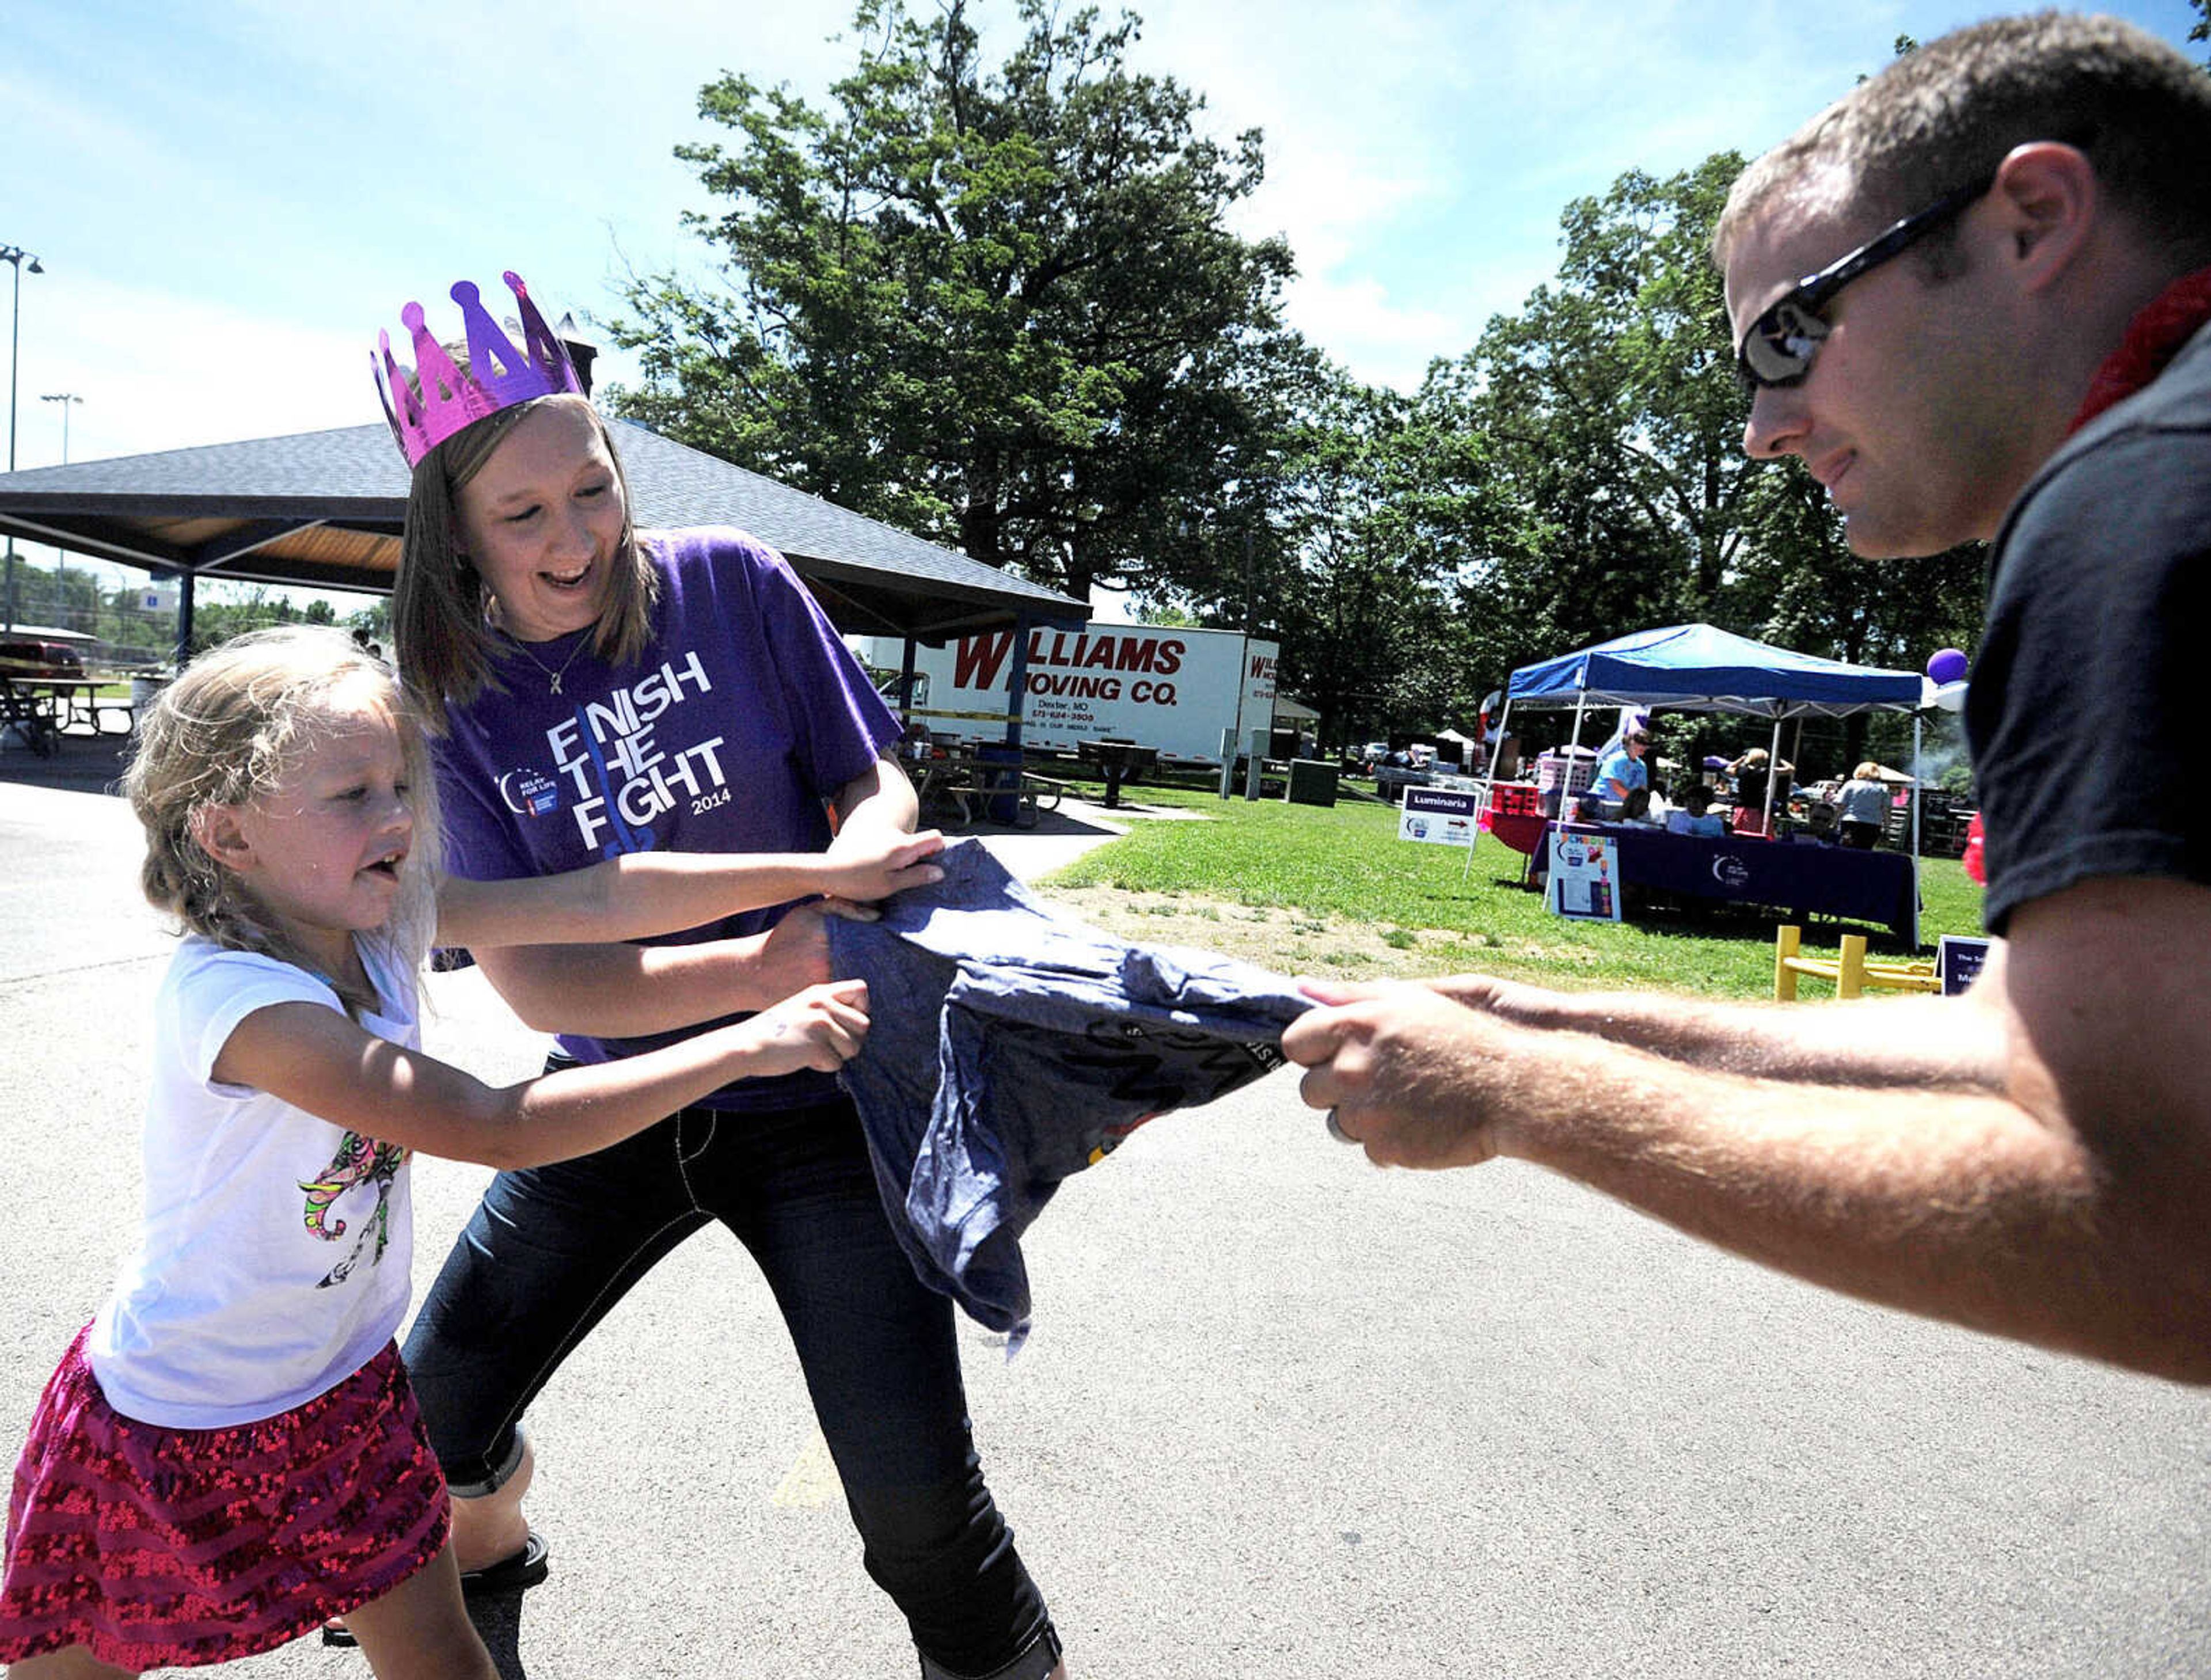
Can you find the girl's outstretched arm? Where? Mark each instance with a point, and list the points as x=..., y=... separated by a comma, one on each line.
x=315, y=1058
x=648, y=892
x=619, y=991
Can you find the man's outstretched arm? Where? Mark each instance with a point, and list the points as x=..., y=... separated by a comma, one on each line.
x=2066, y=1201
x=1919, y=1041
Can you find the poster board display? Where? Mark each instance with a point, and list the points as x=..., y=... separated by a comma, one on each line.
x=1584, y=882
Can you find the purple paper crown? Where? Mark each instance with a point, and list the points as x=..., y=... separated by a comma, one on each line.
x=438, y=399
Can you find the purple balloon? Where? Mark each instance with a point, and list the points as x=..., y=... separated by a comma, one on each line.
x=1947, y=666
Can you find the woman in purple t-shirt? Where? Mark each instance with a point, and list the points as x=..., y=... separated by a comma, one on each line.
x=604, y=690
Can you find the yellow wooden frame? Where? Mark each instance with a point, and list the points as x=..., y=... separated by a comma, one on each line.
x=1849, y=972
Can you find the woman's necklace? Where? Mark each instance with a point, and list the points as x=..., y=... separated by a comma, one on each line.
x=552, y=676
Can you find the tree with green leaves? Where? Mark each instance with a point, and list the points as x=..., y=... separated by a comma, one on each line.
x=1000, y=307
x=1618, y=496
x=1353, y=598
x=1613, y=418
x=1342, y=539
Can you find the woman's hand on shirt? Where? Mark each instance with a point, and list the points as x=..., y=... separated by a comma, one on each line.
x=867, y=865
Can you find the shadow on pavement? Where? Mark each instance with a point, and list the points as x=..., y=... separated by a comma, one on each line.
x=1072, y=818
x=497, y=1619
x=81, y=763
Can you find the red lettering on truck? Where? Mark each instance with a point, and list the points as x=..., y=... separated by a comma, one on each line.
x=975, y=662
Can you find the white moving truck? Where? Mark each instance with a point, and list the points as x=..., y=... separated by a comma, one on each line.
x=1161, y=686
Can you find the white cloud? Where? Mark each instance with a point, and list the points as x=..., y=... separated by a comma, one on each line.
x=1347, y=94
x=1418, y=152
x=158, y=371
x=1381, y=343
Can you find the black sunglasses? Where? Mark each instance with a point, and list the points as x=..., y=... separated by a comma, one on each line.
x=1782, y=343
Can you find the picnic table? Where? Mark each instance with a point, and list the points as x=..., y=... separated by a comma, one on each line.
x=72, y=702
x=1117, y=759
x=959, y=785
x=36, y=710
x=23, y=718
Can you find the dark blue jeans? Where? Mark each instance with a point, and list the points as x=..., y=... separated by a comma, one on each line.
x=553, y=1248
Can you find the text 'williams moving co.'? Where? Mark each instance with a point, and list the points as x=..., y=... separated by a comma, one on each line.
x=1167, y=687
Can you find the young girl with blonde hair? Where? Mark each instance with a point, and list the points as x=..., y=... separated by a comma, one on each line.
x=230, y=1453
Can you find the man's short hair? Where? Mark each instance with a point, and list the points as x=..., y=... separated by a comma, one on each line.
x=1946, y=114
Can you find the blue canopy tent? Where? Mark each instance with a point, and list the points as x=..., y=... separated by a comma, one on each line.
x=1699, y=668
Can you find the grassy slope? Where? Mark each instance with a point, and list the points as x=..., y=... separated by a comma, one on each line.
x=1321, y=888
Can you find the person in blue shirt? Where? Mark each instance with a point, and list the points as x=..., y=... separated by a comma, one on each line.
x=1694, y=816
x=1620, y=778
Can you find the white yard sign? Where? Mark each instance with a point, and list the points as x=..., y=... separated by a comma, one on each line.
x=1439, y=815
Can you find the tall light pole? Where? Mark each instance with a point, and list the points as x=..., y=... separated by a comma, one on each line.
x=65, y=398
x=68, y=399
x=15, y=255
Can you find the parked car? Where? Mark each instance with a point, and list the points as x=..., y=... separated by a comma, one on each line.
x=1393, y=779
x=28, y=656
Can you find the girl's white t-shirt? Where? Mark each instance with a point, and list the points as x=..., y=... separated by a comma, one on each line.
x=273, y=1260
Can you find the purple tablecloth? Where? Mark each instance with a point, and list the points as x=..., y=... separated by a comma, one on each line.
x=1801, y=877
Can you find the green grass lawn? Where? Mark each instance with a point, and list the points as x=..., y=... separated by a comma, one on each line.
x=1343, y=873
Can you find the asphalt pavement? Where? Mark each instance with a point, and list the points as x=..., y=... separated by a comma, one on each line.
x=1283, y=1415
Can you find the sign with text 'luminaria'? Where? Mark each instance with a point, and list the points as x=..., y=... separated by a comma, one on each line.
x=1438, y=816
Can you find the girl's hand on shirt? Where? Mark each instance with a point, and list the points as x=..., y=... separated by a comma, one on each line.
x=865, y=865
x=820, y=1027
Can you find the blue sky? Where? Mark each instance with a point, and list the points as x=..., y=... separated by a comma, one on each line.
x=231, y=196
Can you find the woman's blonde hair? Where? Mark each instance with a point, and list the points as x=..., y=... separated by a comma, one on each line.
x=1867, y=772
x=228, y=731
x=439, y=602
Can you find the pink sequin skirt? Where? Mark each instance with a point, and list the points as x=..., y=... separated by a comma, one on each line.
x=161, y=1548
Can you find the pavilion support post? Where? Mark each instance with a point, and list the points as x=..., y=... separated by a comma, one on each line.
x=906, y=682
x=1566, y=770
x=1488, y=793
x=1496, y=740
x=184, y=583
